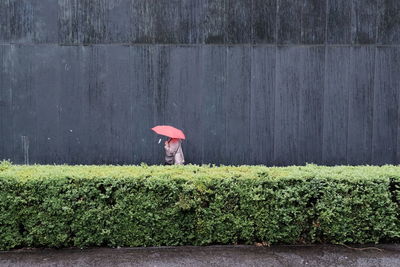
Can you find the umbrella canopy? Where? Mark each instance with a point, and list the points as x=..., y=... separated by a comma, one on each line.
x=169, y=131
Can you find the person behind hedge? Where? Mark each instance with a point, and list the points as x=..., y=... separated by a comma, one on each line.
x=173, y=152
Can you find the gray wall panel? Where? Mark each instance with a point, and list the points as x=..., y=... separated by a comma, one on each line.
x=264, y=21
x=364, y=21
x=236, y=105
x=120, y=20
x=84, y=81
x=240, y=104
x=74, y=108
x=361, y=85
x=313, y=22
x=289, y=30
x=385, y=116
x=239, y=22
x=83, y=22
x=336, y=101
x=6, y=126
x=213, y=21
x=339, y=21
x=214, y=70
x=307, y=23
x=167, y=20
x=200, y=21
x=45, y=21
x=352, y=21
x=388, y=22
x=27, y=21
x=100, y=103
x=46, y=84
x=173, y=74
x=115, y=76
x=299, y=105
x=287, y=95
x=141, y=22
x=262, y=104
x=311, y=101
x=24, y=108
x=141, y=95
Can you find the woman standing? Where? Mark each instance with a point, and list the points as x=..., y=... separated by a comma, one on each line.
x=173, y=146
x=174, y=152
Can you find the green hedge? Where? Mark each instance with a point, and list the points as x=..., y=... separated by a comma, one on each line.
x=63, y=206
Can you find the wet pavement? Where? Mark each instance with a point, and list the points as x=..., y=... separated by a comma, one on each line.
x=313, y=255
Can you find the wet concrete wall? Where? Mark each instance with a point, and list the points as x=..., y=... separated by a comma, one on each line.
x=273, y=82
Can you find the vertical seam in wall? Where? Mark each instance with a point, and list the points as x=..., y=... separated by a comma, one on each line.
x=249, y=152
x=352, y=41
x=322, y=159
x=34, y=18
x=225, y=24
x=31, y=99
x=275, y=94
x=224, y=98
x=2, y=55
x=273, y=159
x=326, y=21
x=200, y=71
x=167, y=60
x=276, y=21
x=11, y=70
x=153, y=60
x=252, y=33
x=250, y=56
x=397, y=124
x=34, y=97
x=58, y=22
x=130, y=97
x=301, y=22
x=322, y=110
x=371, y=157
x=348, y=102
x=323, y=107
x=273, y=110
x=200, y=57
x=373, y=105
x=3, y=65
x=377, y=22
x=300, y=99
x=12, y=84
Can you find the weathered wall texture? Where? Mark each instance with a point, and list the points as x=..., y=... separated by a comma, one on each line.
x=273, y=82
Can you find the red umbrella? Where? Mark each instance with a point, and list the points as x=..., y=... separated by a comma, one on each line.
x=169, y=131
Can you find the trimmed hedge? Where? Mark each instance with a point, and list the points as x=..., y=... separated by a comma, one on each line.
x=63, y=206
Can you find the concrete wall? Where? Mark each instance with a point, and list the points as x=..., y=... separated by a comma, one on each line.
x=273, y=82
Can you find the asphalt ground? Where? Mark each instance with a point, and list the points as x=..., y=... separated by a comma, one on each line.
x=302, y=255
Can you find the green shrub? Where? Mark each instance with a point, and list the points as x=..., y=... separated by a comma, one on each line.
x=5, y=164
x=63, y=206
